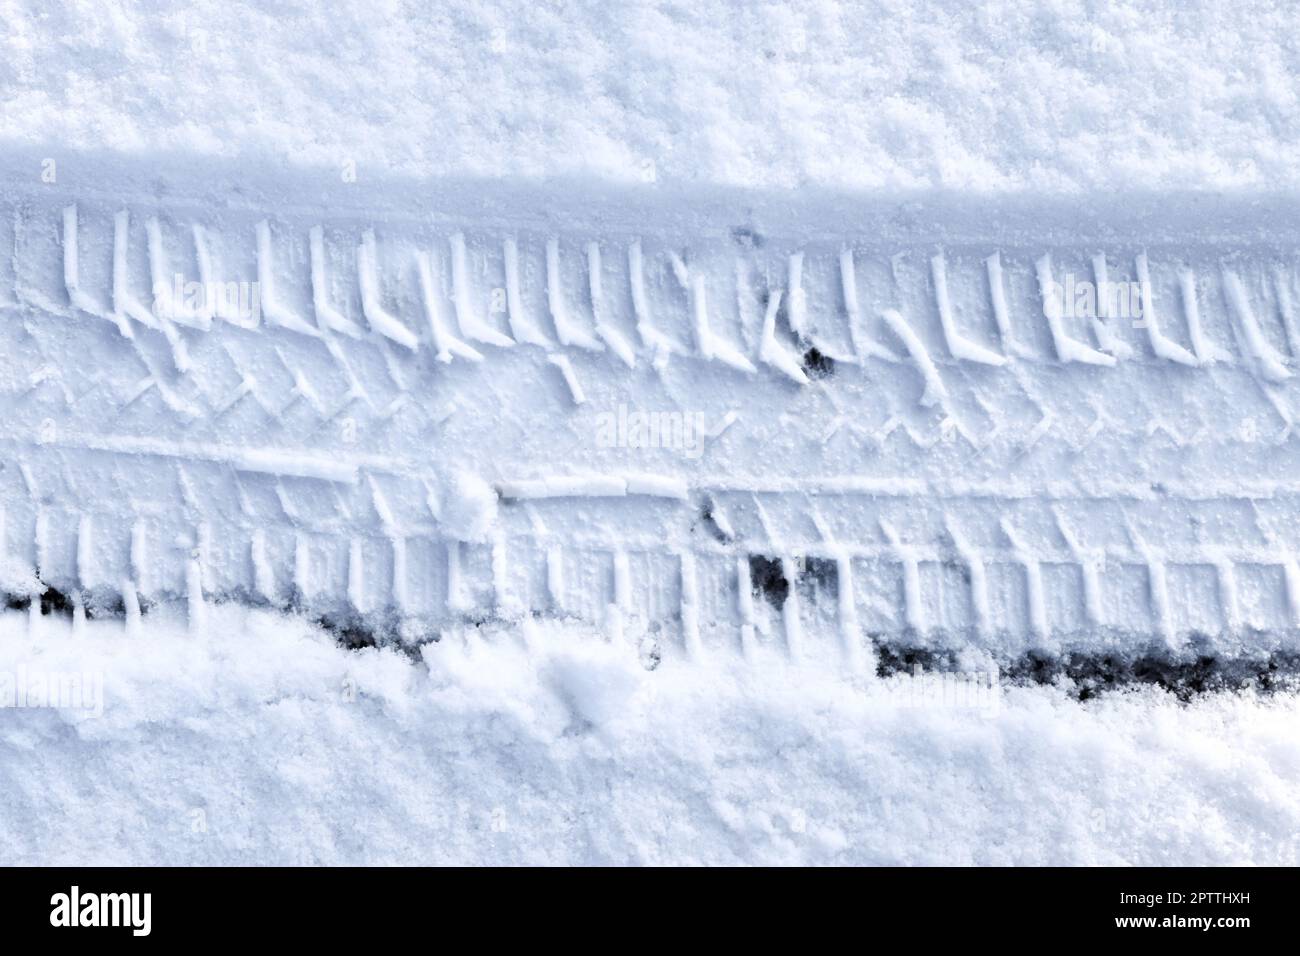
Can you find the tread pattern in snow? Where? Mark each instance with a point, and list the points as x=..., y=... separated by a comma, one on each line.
x=914, y=440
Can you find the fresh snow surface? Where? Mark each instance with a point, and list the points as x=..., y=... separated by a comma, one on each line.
x=264, y=742
x=887, y=94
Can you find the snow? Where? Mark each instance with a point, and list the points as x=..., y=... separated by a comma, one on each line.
x=261, y=740
x=264, y=742
x=469, y=507
x=1064, y=95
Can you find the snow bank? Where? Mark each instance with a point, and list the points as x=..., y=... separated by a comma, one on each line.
x=1064, y=95
x=263, y=742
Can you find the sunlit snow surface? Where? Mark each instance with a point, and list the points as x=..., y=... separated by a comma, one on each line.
x=883, y=94
x=264, y=742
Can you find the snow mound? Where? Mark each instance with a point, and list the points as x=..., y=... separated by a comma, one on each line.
x=469, y=507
